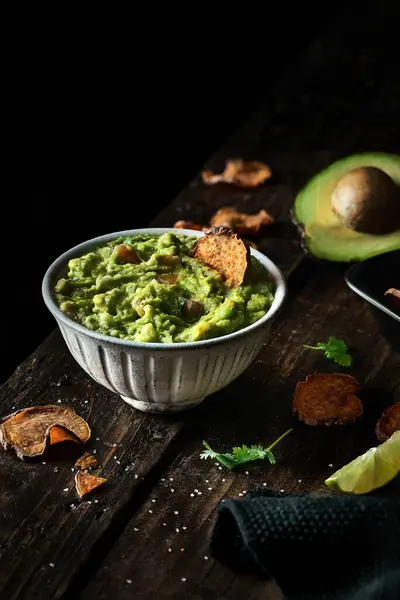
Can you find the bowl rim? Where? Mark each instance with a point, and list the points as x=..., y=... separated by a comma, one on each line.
x=57, y=265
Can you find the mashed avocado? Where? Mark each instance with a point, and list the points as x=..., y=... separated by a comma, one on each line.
x=148, y=289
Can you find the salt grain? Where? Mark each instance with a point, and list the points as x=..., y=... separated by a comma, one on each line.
x=115, y=458
x=172, y=490
x=220, y=468
x=176, y=512
x=44, y=462
x=171, y=479
x=152, y=500
x=240, y=494
x=169, y=550
x=59, y=401
x=192, y=495
x=164, y=524
x=264, y=484
x=195, y=490
x=210, y=488
x=206, y=558
x=223, y=481
x=95, y=501
x=184, y=527
x=94, y=451
x=136, y=476
x=163, y=479
x=129, y=581
x=282, y=491
x=199, y=493
x=330, y=465
x=177, y=529
x=183, y=579
x=150, y=511
x=135, y=529
x=246, y=472
x=299, y=481
x=114, y=445
x=86, y=401
x=206, y=480
x=97, y=439
x=65, y=490
x=52, y=565
x=55, y=469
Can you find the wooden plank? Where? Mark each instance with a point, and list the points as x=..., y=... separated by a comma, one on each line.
x=167, y=539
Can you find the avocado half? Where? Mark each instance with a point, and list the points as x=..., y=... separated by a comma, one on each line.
x=323, y=235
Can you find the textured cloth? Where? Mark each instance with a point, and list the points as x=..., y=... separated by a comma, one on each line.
x=333, y=548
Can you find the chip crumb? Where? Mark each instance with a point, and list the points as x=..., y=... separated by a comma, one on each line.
x=85, y=461
x=85, y=483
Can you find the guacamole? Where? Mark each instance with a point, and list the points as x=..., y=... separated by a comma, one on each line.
x=149, y=289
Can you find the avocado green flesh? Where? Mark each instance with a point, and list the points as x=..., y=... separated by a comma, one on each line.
x=148, y=302
x=324, y=236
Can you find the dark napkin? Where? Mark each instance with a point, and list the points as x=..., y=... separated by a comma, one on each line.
x=333, y=548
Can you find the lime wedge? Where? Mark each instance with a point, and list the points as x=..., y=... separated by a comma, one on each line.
x=369, y=471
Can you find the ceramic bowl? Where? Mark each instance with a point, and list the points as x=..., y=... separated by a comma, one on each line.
x=156, y=377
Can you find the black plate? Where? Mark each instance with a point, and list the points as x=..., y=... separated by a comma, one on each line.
x=370, y=279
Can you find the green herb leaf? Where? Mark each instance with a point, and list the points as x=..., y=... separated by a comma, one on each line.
x=334, y=349
x=243, y=454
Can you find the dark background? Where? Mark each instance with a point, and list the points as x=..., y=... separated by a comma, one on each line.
x=109, y=133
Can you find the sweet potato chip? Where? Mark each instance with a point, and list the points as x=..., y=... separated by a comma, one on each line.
x=188, y=225
x=59, y=434
x=242, y=223
x=239, y=172
x=85, y=483
x=27, y=431
x=388, y=423
x=222, y=250
x=327, y=399
x=85, y=461
x=394, y=296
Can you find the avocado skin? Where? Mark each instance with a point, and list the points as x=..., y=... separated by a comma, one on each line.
x=329, y=240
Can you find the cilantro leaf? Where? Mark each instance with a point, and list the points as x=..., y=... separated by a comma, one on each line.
x=334, y=349
x=242, y=454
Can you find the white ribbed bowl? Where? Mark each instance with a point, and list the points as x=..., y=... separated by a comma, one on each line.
x=154, y=377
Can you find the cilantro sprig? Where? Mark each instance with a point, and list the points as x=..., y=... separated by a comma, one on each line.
x=335, y=349
x=242, y=454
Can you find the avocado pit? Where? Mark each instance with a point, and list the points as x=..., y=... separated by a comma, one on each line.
x=367, y=200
